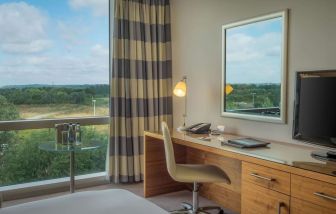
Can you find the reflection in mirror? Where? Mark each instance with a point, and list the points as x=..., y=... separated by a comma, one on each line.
x=254, y=68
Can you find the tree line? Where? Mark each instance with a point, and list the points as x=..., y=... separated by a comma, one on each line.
x=263, y=95
x=54, y=95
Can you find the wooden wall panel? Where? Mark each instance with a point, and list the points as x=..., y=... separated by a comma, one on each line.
x=232, y=167
x=227, y=195
x=223, y=196
x=156, y=178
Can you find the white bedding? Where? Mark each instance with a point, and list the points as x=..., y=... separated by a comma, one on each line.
x=113, y=201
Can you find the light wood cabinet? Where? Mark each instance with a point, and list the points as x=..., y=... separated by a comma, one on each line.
x=314, y=191
x=266, y=177
x=260, y=200
x=270, y=191
x=258, y=186
x=298, y=206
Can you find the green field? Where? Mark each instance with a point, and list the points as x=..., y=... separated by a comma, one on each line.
x=21, y=160
x=34, y=102
x=51, y=111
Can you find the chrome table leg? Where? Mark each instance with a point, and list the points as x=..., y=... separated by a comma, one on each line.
x=72, y=172
x=1, y=198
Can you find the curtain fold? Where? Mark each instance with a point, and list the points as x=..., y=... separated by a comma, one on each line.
x=141, y=82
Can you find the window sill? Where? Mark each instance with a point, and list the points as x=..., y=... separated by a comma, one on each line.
x=32, y=189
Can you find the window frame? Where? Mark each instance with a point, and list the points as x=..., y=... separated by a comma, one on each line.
x=15, y=125
x=50, y=123
x=283, y=71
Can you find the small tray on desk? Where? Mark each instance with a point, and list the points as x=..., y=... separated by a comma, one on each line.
x=245, y=143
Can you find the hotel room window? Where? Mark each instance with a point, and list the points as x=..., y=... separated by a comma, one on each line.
x=54, y=68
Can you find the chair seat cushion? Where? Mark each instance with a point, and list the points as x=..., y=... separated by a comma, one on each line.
x=202, y=173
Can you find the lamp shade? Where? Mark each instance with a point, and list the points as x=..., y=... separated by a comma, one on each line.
x=180, y=89
x=228, y=89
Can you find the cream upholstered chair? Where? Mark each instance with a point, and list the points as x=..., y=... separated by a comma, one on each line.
x=191, y=173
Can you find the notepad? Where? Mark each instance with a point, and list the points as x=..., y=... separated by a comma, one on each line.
x=245, y=143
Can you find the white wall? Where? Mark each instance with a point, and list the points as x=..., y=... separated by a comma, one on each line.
x=196, y=36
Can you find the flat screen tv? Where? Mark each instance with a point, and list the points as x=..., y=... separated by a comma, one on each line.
x=315, y=108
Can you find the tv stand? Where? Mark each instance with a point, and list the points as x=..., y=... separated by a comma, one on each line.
x=324, y=155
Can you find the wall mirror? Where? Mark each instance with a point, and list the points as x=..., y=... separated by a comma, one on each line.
x=254, y=68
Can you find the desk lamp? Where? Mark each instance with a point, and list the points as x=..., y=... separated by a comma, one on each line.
x=180, y=90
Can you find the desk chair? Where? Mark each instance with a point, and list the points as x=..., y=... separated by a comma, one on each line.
x=191, y=173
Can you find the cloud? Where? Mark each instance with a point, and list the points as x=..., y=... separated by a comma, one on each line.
x=61, y=69
x=28, y=47
x=28, y=56
x=98, y=7
x=35, y=60
x=242, y=47
x=253, y=59
x=72, y=32
x=23, y=28
x=99, y=50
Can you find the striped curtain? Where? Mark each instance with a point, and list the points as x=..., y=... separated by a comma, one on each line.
x=140, y=84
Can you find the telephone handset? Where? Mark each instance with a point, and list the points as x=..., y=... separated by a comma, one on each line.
x=199, y=128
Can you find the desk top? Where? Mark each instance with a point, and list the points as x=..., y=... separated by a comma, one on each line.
x=294, y=155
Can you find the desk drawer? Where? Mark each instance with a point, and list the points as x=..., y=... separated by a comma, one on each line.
x=298, y=206
x=314, y=191
x=259, y=200
x=266, y=177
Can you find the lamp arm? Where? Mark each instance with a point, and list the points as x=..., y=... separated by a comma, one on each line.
x=185, y=102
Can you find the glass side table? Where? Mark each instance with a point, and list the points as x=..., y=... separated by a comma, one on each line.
x=71, y=149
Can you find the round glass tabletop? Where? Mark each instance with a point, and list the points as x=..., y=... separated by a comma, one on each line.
x=56, y=147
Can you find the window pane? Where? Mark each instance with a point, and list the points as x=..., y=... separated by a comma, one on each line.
x=253, y=68
x=54, y=59
x=21, y=160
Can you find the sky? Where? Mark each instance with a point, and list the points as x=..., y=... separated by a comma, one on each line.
x=254, y=52
x=57, y=42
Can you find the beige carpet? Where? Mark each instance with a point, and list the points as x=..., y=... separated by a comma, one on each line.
x=170, y=201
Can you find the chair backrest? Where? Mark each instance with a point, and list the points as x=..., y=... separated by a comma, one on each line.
x=169, y=150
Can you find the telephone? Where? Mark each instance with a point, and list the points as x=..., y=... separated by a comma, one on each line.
x=199, y=128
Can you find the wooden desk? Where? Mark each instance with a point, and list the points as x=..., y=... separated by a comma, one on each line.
x=290, y=176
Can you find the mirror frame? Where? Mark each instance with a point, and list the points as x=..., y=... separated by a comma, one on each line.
x=283, y=105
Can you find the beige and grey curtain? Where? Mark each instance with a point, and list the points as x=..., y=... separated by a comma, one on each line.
x=140, y=84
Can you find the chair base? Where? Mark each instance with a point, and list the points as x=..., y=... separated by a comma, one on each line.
x=188, y=209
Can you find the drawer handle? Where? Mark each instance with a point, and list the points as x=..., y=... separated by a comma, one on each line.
x=262, y=177
x=280, y=205
x=322, y=195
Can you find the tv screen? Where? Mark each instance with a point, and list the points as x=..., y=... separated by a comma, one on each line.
x=315, y=108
